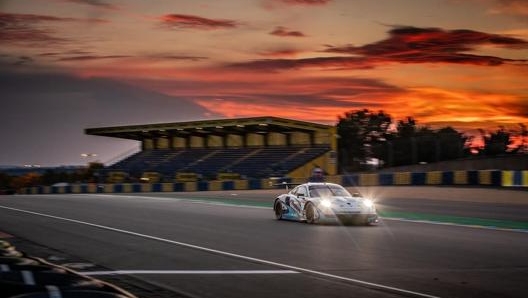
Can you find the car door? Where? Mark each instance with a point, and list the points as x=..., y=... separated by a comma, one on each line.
x=298, y=198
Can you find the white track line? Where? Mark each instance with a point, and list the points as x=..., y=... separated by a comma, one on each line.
x=187, y=272
x=179, y=199
x=242, y=257
x=441, y=223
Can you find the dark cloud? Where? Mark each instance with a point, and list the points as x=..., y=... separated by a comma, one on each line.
x=71, y=52
x=434, y=45
x=23, y=28
x=325, y=62
x=95, y=3
x=299, y=2
x=31, y=30
x=15, y=60
x=308, y=92
x=280, y=52
x=79, y=56
x=22, y=60
x=404, y=45
x=179, y=57
x=284, y=32
x=89, y=57
x=92, y=57
x=196, y=22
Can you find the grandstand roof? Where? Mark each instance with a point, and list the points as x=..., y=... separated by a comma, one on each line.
x=219, y=127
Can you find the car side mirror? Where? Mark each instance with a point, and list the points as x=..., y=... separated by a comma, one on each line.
x=300, y=195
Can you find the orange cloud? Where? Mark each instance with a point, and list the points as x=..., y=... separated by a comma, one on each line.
x=304, y=96
x=459, y=108
x=232, y=109
x=511, y=7
x=322, y=88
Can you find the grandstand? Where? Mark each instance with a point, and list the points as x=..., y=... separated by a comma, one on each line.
x=242, y=148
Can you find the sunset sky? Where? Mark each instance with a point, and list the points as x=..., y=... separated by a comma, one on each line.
x=73, y=64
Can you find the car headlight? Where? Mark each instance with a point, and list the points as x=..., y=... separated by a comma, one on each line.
x=368, y=203
x=326, y=203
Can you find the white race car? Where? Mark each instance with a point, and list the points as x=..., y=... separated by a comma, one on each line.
x=320, y=202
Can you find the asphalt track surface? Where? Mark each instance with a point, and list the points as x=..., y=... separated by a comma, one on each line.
x=432, y=242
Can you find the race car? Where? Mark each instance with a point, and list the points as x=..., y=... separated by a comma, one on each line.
x=320, y=202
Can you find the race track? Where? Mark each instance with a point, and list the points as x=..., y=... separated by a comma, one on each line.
x=451, y=242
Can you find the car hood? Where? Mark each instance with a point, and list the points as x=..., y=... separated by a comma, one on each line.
x=340, y=199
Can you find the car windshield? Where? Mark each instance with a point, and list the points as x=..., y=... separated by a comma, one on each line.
x=326, y=190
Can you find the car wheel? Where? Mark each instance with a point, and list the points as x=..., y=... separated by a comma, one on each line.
x=278, y=210
x=310, y=214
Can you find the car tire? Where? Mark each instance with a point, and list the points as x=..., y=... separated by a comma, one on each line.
x=278, y=210
x=310, y=213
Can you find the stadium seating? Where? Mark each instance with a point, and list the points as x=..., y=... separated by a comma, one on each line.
x=250, y=162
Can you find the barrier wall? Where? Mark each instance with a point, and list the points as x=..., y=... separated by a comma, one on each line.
x=487, y=178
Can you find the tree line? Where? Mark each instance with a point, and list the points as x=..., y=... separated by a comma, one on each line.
x=88, y=174
x=368, y=139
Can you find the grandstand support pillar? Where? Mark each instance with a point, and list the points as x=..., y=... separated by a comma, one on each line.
x=334, y=138
x=266, y=139
x=170, y=139
x=147, y=144
x=288, y=139
x=244, y=140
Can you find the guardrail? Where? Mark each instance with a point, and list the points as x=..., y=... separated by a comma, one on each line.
x=484, y=178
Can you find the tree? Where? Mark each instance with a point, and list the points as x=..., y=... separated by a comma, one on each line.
x=5, y=180
x=364, y=134
x=406, y=128
x=359, y=131
x=451, y=144
x=497, y=142
x=26, y=180
x=404, y=145
x=90, y=173
x=411, y=144
x=523, y=134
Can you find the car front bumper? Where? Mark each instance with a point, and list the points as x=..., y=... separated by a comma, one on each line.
x=351, y=218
